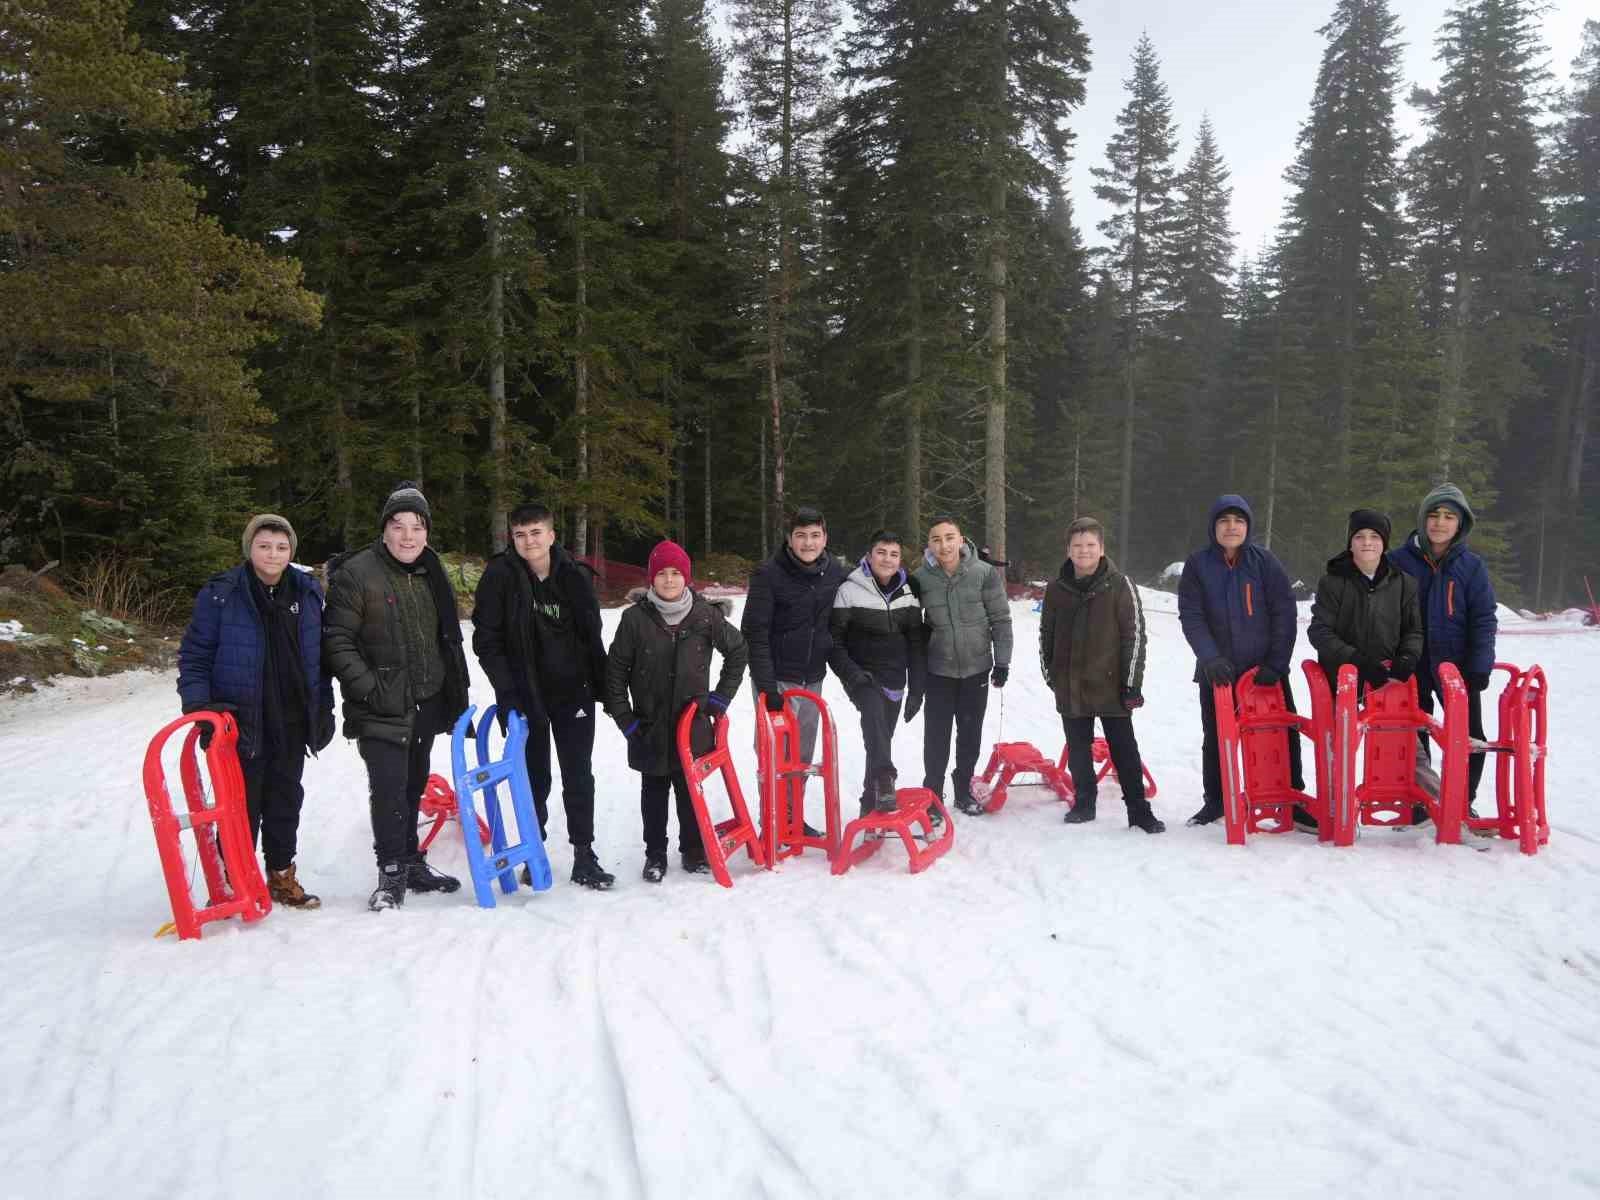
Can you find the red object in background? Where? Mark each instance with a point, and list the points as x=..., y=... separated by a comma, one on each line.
x=784, y=776
x=234, y=886
x=439, y=805
x=1592, y=617
x=1101, y=753
x=912, y=807
x=720, y=839
x=1258, y=795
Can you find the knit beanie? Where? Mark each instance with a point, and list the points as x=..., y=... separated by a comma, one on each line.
x=669, y=554
x=264, y=520
x=1367, y=518
x=407, y=497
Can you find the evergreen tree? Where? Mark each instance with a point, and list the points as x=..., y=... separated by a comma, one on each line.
x=1342, y=233
x=126, y=395
x=1137, y=181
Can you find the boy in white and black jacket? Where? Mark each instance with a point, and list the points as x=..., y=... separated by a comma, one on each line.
x=880, y=654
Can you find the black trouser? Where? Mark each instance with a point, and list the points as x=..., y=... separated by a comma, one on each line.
x=272, y=797
x=571, y=724
x=1211, y=767
x=878, y=717
x=396, y=775
x=964, y=701
x=1125, y=758
x=653, y=808
x=1476, y=759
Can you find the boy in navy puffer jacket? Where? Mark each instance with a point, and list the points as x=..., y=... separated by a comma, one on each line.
x=1237, y=612
x=1458, y=606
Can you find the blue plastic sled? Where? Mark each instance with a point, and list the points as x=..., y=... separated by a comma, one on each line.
x=485, y=778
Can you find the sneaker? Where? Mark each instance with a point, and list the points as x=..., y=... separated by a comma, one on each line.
x=587, y=871
x=888, y=802
x=1419, y=815
x=655, y=867
x=1206, y=815
x=285, y=889
x=420, y=877
x=694, y=864
x=1303, y=819
x=970, y=805
x=809, y=831
x=1080, y=813
x=391, y=889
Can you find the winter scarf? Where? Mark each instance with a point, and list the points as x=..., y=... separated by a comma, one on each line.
x=283, y=714
x=672, y=611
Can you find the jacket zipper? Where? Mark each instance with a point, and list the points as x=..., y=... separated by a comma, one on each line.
x=1249, y=607
x=1450, y=599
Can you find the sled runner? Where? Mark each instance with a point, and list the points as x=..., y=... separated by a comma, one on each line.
x=234, y=885
x=439, y=806
x=720, y=839
x=910, y=822
x=783, y=779
x=500, y=859
x=1258, y=795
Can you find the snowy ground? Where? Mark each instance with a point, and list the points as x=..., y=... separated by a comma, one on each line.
x=1048, y=1011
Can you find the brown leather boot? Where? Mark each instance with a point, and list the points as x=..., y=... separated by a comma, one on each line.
x=285, y=889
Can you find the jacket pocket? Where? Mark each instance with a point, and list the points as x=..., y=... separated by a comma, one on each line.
x=388, y=698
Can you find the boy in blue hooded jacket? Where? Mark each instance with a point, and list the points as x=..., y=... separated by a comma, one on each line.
x=1458, y=607
x=1237, y=611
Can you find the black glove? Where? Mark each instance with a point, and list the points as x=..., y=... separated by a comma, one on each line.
x=913, y=705
x=1001, y=674
x=1476, y=680
x=636, y=729
x=206, y=728
x=502, y=710
x=326, y=725
x=1132, y=699
x=1373, y=672
x=1217, y=670
x=1266, y=676
x=773, y=701
x=717, y=703
x=1403, y=667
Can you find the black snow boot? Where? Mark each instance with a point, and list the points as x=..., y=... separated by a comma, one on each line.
x=1208, y=813
x=655, y=868
x=420, y=877
x=887, y=801
x=391, y=889
x=587, y=871
x=1081, y=813
x=694, y=863
x=1140, y=816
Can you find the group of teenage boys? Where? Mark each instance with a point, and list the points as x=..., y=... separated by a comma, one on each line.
x=925, y=631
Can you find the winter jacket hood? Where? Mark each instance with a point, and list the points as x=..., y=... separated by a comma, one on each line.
x=1446, y=493
x=967, y=613
x=1223, y=504
x=1242, y=611
x=224, y=651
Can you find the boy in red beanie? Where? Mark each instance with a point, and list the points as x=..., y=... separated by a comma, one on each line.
x=659, y=662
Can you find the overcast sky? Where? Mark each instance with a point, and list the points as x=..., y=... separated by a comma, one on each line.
x=1252, y=65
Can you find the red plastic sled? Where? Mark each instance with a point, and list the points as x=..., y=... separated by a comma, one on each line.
x=1008, y=760
x=439, y=805
x=1258, y=795
x=1101, y=752
x=234, y=885
x=911, y=813
x=720, y=839
x=1520, y=751
x=784, y=776
x=1384, y=731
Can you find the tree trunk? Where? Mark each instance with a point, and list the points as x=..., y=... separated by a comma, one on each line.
x=706, y=546
x=1453, y=372
x=580, y=381
x=995, y=456
x=761, y=489
x=913, y=458
x=778, y=314
x=497, y=380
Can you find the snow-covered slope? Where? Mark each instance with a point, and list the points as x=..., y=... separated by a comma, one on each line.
x=1048, y=1011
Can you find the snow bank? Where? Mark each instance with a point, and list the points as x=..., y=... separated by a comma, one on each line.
x=1048, y=1011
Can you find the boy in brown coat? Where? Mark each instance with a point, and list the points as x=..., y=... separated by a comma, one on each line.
x=1092, y=650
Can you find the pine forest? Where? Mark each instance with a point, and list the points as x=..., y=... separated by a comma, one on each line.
x=673, y=268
